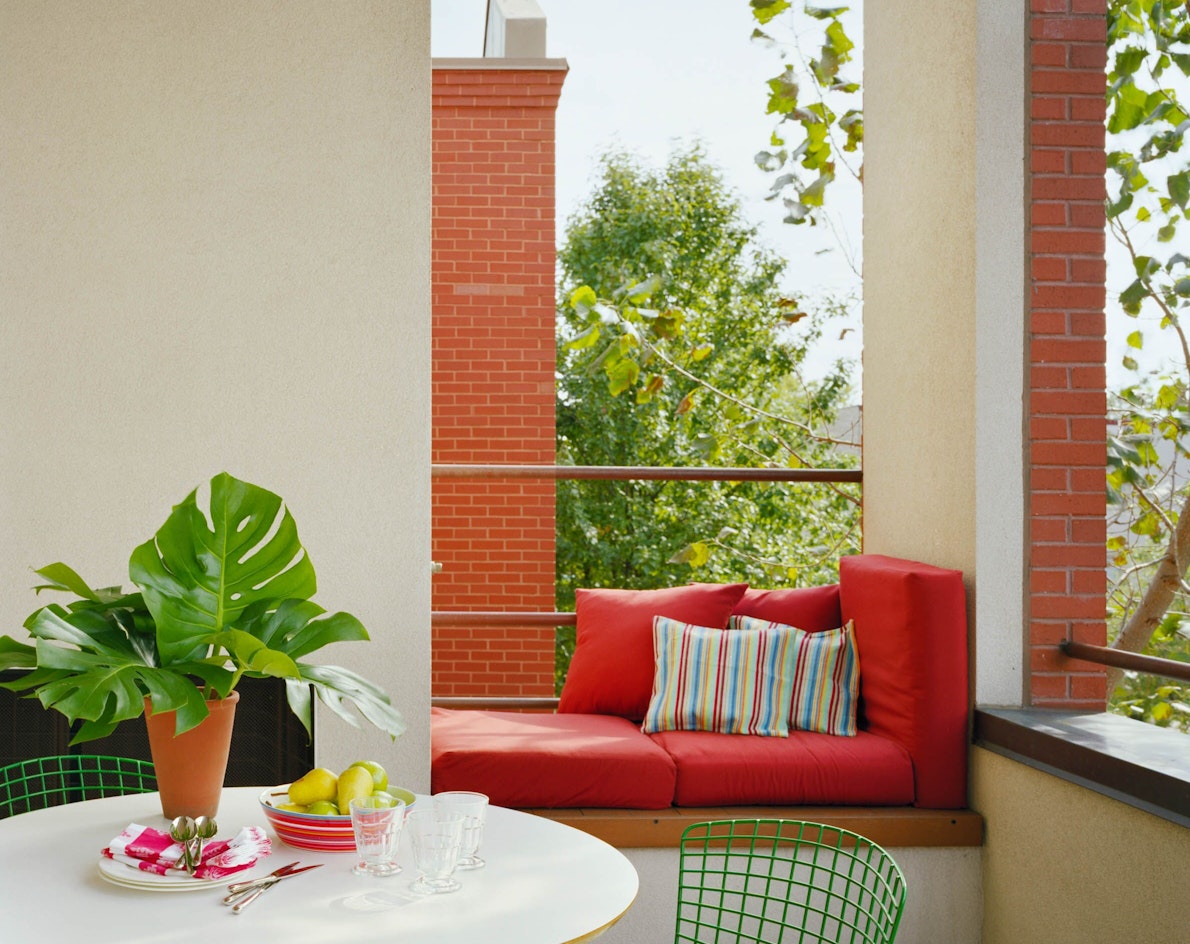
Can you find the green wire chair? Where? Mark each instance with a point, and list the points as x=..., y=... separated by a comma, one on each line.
x=785, y=882
x=51, y=781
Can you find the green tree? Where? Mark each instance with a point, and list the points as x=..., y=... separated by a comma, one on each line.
x=1148, y=493
x=676, y=346
x=820, y=123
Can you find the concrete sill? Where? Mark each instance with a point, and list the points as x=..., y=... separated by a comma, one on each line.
x=1139, y=764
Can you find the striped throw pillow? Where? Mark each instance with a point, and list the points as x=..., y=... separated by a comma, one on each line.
x=732, y=681
x=826, y=677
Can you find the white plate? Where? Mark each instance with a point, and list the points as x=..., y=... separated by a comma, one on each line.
x=120, y=874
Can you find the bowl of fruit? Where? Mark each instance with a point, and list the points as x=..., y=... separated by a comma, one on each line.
x=312, y=812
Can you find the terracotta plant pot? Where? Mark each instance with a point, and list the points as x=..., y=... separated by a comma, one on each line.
x=190, y=766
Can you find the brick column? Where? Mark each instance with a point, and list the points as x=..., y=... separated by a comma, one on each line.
x=493, y=368
x=1067, y=404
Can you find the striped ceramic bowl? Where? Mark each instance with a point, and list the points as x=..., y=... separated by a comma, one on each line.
x=307, y=831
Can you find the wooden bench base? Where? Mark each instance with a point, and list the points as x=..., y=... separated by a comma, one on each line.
x=892, y=827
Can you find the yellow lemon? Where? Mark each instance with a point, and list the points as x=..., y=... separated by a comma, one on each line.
x=318, y=784
x=353, y=782
x=379, y=775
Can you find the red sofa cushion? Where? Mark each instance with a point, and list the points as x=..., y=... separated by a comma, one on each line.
x=805, y=768
x=611, y=672
x=527, y=759
x=813, y=609
x=911, y=630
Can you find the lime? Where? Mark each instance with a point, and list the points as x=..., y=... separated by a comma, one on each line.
x=379, y=775
x=323, y=808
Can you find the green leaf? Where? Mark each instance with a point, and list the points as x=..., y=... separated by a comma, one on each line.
x=702, y=351
x=335, y=687
x=16, y=655
x=1182, y=286
x=1129, y=363
x=695, y=554
x=583, y=298
x=641, y=290
x=622, y=375
x=765, y=10
x=783, y=92
x=770, y=162
x=61, y=577
x=1179, y=188
x=1168, y=396
x=1136, y=340
x=839, y=42
x=300, y=627
x=1132, y=296
x=813, y=194
x=1130, y=109
x=825, y=13
x=585, y=340
x=198, y=577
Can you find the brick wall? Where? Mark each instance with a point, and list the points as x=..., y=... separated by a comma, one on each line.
x=1067, y=351
x=493, y=370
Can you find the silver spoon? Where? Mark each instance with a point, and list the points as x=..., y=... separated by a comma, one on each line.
x=206, y=828
x=184, y=830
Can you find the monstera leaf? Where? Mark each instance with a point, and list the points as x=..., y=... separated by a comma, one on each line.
x=87, y=667
x=198, y=575
x=223, y=592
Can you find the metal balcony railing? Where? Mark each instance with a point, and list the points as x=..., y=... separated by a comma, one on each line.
x=1131, y=661
x=488, y=618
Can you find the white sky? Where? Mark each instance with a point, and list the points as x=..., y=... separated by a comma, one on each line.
x=648, y=74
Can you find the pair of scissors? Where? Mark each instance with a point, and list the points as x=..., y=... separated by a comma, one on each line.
x=242, y=894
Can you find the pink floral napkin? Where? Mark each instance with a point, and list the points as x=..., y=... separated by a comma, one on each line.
x=151, y=850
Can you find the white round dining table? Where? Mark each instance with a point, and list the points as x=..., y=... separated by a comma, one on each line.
x=544, y=883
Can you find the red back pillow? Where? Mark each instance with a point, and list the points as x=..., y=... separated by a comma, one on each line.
x=611, y=672
x=814, y=609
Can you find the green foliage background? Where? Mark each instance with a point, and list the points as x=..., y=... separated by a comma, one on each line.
x=677, y=347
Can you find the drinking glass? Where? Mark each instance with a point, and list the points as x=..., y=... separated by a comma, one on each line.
x=474, y=808
x=377, y=825
x=437, y=837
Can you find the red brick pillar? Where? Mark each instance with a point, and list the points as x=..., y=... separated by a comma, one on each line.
x=493, y=369
x=1067, y=350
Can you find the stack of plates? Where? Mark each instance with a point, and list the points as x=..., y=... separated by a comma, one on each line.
x=120, y=874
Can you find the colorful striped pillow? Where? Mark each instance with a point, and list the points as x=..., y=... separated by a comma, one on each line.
x=826, y=676
x=732, y=681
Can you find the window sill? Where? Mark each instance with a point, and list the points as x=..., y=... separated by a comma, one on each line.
x=1139, y=764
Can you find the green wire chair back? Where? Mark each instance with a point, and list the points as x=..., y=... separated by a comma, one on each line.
x=785, y=882
x=51, y=781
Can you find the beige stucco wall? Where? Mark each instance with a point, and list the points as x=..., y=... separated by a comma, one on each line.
x=214, y=255
x=919, y=271
x=1065, y=865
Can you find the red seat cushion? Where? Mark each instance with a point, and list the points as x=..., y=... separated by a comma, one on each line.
x=911, y=631
x=611, y=672
x=805, y=768
x=814, y=609
x=531, y=759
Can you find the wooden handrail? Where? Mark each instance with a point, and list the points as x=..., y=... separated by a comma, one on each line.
x=642, y=473
x=1135, y=661
x=490, y=618
x=503, y=703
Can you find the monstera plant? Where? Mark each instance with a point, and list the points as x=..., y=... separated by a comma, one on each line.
x=222, y=591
